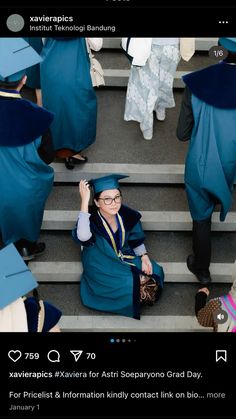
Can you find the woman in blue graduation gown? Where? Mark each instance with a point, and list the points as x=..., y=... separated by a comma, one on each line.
x=208, y=120
x=68, y=92
x=26, y=180
x=114, y=255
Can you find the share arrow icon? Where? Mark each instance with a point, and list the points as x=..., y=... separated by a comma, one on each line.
x=76, y=354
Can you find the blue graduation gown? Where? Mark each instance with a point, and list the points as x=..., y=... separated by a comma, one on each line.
x=210, y=167
x=25, y=180
x=108, y=283
x=67, y=91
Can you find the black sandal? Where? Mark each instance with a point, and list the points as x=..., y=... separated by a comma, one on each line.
x=70, y=162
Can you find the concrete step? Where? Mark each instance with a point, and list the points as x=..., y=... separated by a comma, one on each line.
x=177, y=299
x=123, y=324
x=168, y=246
x=117, y=60
x=138, y=173
x=119, y=141
x=144, y=197
x=202, y=44
x=116, y=67
x=174, y=310
x=119, y=78
x=151, y=221
x=174, y=272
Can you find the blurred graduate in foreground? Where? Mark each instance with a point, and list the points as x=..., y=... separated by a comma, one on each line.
x=25, y=152
x=19, y=313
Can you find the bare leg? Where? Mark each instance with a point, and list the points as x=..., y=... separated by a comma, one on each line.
x=38, y=93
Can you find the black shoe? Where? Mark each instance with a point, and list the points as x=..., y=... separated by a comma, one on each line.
x=70, y=162
x=203, y=276
x=28, y=253
x=69, y=165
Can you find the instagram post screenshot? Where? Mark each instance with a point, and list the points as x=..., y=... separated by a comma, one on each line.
x=118, y=210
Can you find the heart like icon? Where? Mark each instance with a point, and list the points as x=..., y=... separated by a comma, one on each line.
x=14, y=355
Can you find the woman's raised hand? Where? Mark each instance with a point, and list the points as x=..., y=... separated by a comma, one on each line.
x=84, y=191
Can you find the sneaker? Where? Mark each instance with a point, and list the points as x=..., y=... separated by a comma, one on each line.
x=203, y=276
x=28, y=253
x=147, y=134
x=161, y=114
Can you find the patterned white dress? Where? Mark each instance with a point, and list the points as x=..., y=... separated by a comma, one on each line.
x=151, y=87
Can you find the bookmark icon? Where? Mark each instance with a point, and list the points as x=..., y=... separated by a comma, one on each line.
x=221, y=355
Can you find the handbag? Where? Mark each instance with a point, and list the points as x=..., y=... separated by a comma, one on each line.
x=148, y=289
x=96, y=71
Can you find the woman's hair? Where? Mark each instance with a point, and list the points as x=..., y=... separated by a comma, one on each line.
x=9, y=85
x=96, y=195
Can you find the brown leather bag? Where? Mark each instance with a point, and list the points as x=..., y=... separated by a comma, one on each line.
x=148, y=289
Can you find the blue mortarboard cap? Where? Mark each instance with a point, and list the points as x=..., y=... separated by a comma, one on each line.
x=15, y=277
x=228, y=43
x=106, y=182
x=15, y=56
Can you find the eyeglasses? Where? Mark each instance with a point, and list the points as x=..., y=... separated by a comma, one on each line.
x=108, y=201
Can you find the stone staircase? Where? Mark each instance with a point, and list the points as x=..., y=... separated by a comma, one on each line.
x=155, y=187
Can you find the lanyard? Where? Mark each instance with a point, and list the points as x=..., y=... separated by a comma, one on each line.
x=121, y=229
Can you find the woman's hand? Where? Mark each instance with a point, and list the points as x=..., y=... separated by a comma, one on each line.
x=84, y=191
x=146, y=265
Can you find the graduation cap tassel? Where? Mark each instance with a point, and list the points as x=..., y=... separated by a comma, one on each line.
x=16, y=273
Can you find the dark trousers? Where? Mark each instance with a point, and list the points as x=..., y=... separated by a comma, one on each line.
x=202, y=244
